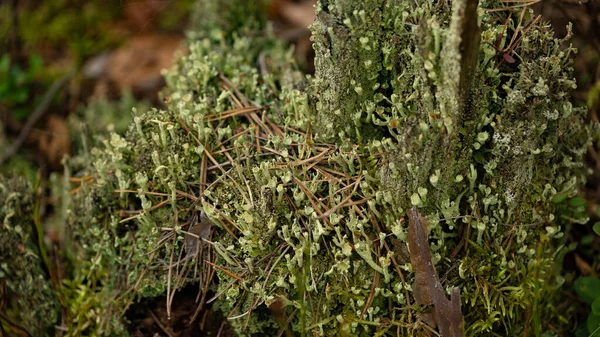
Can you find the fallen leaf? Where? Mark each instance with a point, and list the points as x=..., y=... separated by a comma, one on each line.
x=508, y=58
x=200, y=227
x=427, y=288
x=137, y=65
x=54, y=141
x=300, y=14
x=142, y=14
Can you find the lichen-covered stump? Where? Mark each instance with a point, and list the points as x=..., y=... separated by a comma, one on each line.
x=267, y=189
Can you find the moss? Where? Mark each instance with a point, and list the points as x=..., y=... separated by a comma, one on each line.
x=306, y=181
x=29, y=303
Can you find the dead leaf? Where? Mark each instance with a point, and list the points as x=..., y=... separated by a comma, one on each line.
x=54, y=141
x=142, y=14
x=137, y=65
x=427, y=288
x=201, y=227
x=301, y=14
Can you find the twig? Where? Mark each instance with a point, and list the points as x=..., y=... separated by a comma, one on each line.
x=19, y=329
x=35, y=116
x=521, y=4
x=159, y=323
x=225, y=271
x=169, y=278
x=221, y=329
x=159, y=205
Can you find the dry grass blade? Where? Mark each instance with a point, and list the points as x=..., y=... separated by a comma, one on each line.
x=149, y=193
x=273, y=266
x=159, y=323
x=316, y=158
x=210, y=272
x=212, y=159
x=186, y=195
x=243, y=102
x=371, y=294
x=394, y=262
x=222, y=215
x=86, y=181
x=187, y=129
x=520, y=4
x=169, y=279
x=217, y=295
x=225, y=271
x=344, y=203
x=231, y=113
x=466, y=232
x=135, y=286
x=313, y=200
x=159, y=205
x=274, y=126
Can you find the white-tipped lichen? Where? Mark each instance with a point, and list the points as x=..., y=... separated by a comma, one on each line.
x=304, y=182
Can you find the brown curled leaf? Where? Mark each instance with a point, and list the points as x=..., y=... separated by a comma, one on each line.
x=427, y=288
x=200, y=227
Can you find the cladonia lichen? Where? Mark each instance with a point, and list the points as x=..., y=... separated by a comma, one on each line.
x=29, y=303
x=306, y=181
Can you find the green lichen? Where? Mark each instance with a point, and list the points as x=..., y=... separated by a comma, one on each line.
x=29, y=304
x=306, y=180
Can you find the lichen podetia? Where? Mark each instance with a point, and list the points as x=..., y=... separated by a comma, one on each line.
x=307, y=180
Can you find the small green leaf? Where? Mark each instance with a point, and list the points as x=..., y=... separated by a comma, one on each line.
x=587, y=240
x=559, y=198
x=593, y=325
x=577, y=201
x=597, y=228
x=4, y=64
x=596, y=306
x=35, y=64
x=581, y=330
x=588, y=288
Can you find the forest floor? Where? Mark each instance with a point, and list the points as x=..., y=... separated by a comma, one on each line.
x=91, y=63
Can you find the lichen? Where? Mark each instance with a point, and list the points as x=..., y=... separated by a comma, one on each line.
x=29, y=303
x=306, y=181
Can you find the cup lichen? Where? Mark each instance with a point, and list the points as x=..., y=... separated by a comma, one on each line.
x=306, y=181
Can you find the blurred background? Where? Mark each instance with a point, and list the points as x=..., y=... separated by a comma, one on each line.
x=71, y=69
x=73, y=61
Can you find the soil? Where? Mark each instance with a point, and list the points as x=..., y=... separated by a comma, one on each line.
x=149, y=317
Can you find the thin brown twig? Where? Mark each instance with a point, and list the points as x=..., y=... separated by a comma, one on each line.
x=159, y=323
x=16, y=327
x=204, y=292
x=221, y=214
x=231, y=113
x=394, y=262
x=142, y=192
x=169, y=277
x=225, y=271
x=371, y=297
x=343, y=202
x=523, y=4
x=159, y=205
